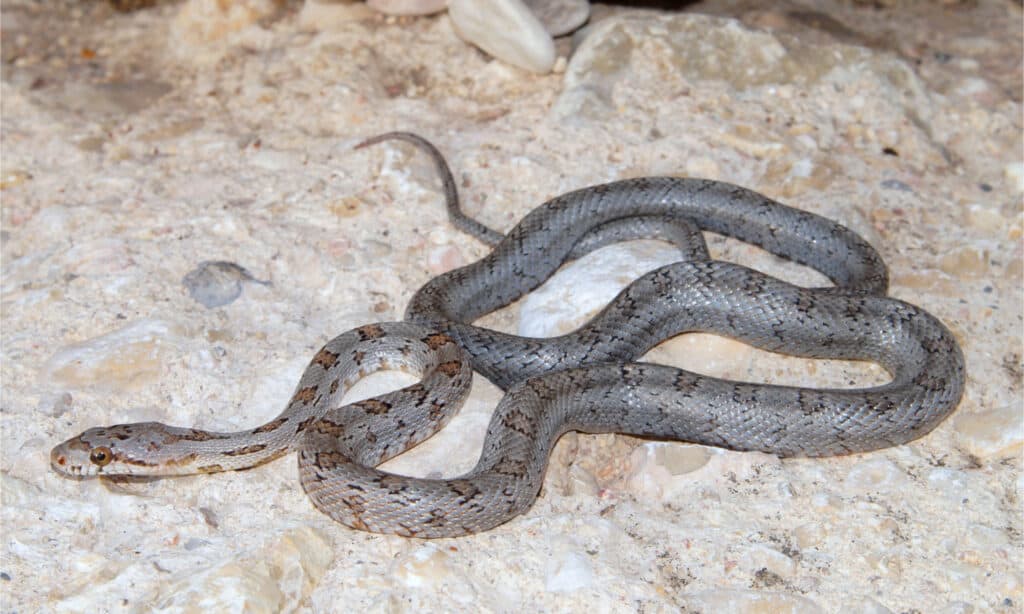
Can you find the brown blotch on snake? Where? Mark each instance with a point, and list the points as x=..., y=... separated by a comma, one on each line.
x=325, y=358
x=270, y=427
x=253, y=449
x=587, y=380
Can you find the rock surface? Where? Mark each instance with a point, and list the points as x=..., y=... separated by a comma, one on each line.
x=137, y=146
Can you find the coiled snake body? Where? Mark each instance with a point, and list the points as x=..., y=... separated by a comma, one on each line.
x=584, y=381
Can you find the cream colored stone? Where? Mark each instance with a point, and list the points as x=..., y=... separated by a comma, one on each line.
x=505, y=29
x=201, y=22
x=748, y=602
x=809, y=535
x=991, y=433
x=327, y=16
x=560, y=17
x=125, y=359
x=278, y=577
x=985, y=218
x=875, y=474
x=966, y=261
x=1014, y=173
x=662, y=471
x=408, y=7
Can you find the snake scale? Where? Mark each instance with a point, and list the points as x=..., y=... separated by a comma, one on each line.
x=584, y=381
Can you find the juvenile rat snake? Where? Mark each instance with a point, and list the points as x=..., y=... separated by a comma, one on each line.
x=584, y=381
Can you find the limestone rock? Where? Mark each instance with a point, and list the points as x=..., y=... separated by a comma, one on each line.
x=279, y=577
x=560, y=17
x=407, y=7
x=677, y=51
x=992, y=433
x=505, y=29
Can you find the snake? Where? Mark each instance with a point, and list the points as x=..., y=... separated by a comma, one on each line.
x=589, y=380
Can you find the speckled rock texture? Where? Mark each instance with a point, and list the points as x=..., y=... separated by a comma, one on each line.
x=139, y=148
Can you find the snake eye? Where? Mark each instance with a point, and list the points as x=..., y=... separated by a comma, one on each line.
x=101, y=456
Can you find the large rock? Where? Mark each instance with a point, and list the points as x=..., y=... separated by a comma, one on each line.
x=625, y=56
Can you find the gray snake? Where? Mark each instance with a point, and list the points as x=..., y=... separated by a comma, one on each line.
x=584, y=381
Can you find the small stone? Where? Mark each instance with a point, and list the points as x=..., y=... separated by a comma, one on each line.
x=864, y=605
x=325, y=16
x=560, y=17
x=423, y=566
x=11, y=178
x=444, y=259
x=201, y=22
x=875, y=475
x=505, y=29
x=571, y=572
x=809, y=535
x=746, y=602
x=965, y=261
x=279, y=577
x=992, y=433
x=896, y=184
x=128, y=358
x=1014, y=173
x=951, y=483
x=407, y=7
x=664, y=471
x=215, y=283
x=113, y=99
x=985, y=218
x=772, y=566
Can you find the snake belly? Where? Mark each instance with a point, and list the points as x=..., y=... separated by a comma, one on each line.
x=587, y=381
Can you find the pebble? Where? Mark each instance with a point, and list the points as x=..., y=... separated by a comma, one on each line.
x=126, y=359
x=326, y=16
x=809, y=535
x=571, y=571
x=864, y=605
x=407, y=7
x=215, y=283
x=896, y=184
x=991, y=433
x=12, y=178
x=202, y=22
x=741, y=601
x=1014, y=173
x=968, y=261
x=560, y=17
x=985, y=218
x=667, y=471
x=507, y=30
x=875, y=475
x=423, y=566
x=763, y=560
x=277, y=577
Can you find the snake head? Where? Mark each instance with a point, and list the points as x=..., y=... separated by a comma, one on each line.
x=112, y=450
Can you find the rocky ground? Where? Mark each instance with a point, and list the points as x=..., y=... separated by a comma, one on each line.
x=138, y=145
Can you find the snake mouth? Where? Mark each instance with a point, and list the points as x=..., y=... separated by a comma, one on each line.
x=76, y=472
x=60, y=464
